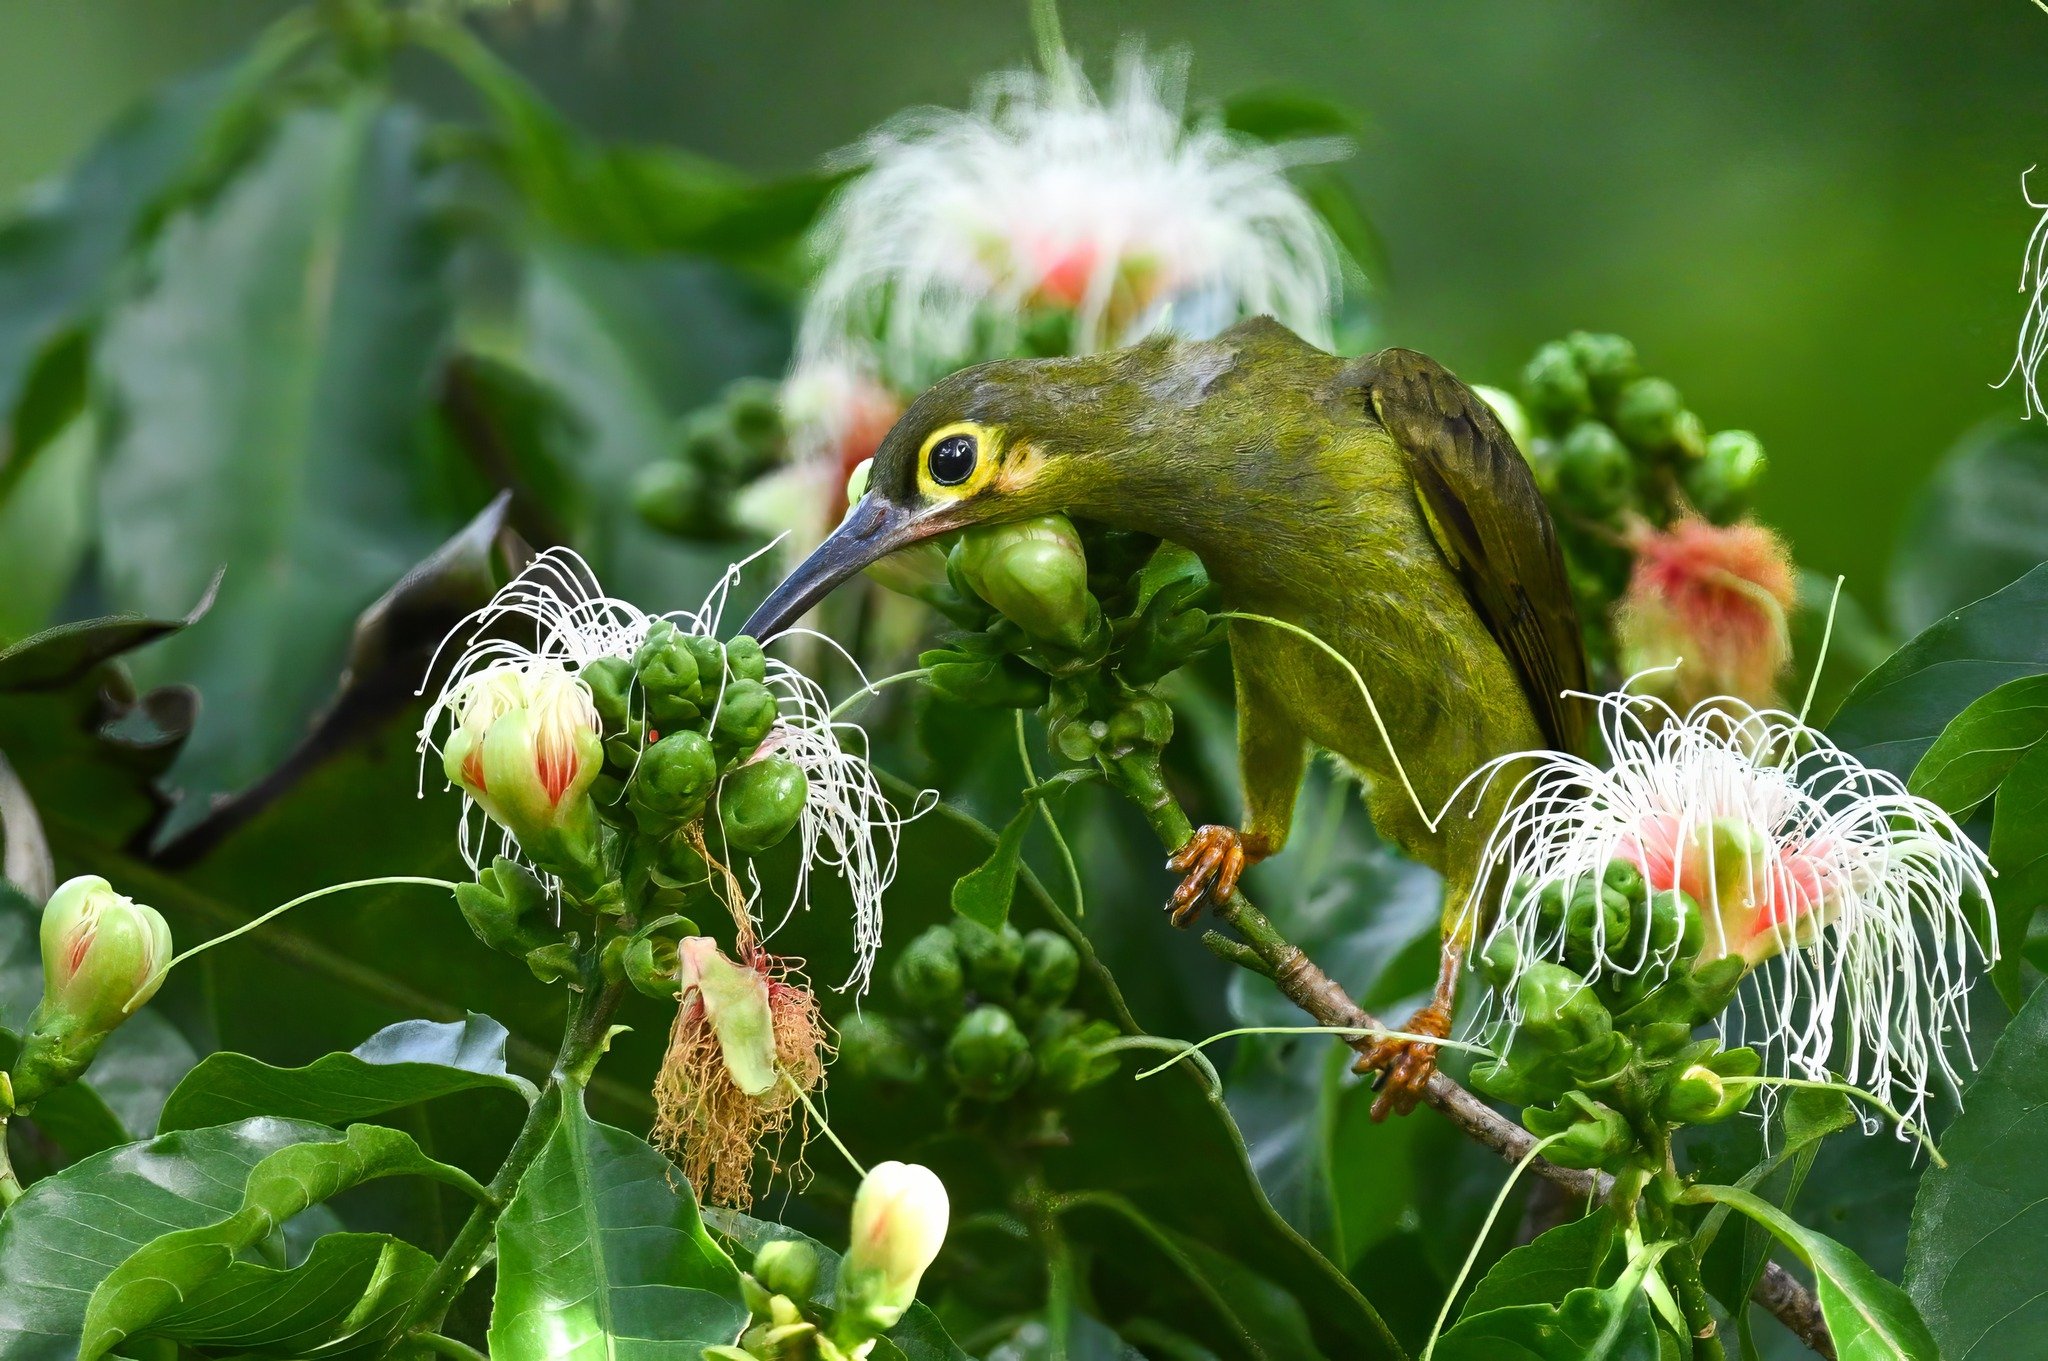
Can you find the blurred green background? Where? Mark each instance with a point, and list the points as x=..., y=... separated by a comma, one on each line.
x=1808, y=215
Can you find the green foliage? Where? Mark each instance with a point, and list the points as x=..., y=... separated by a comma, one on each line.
x=1979, y=525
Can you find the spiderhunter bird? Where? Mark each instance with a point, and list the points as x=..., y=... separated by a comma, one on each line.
x=1376, y=503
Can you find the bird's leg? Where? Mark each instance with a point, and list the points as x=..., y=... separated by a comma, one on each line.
x=1404, y=1066
x=1210, y=864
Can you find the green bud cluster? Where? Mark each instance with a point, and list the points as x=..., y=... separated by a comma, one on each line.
x=718, y=450
x=777, y=1290
x=985, y=1011
x=1605, y=1057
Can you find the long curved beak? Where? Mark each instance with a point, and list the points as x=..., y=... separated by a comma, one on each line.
x=874, y=529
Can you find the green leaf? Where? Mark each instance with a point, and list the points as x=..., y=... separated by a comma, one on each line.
x=68, y=653
x=1867, y=1315
x=601, y=1254
x=1981, y=523
x=162, y=1275
x=983, y=894
x=1589, y=1324
x=351, y=1290
x=919, y=1336
x=1981, y=744
x=1559, y=1261
x=400, y=1065
x=70, y=1231
x=1978, y=1252
x=2019, y=852
x=1896, y=712
x=283, y=348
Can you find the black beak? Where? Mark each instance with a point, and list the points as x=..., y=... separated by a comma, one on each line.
x=874, y=529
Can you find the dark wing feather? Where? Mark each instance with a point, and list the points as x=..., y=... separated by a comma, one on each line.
x=1491, y=522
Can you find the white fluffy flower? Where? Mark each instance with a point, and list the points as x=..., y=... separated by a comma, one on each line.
x=1047, y=195
x=848, y=826
x=1846, y=894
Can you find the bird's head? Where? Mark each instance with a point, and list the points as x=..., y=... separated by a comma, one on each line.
x=1000, y=441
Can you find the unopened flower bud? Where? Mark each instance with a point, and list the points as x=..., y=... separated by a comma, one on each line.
x=611, y=691
x=1647, y=414
x=987, y=1056
x=1608, y=361
x=1721, y=483
x=993, y=958
x=1033, y=571
x=673, y=782
x=650, y=965
x=744, y=660
x=899, y=1224
x=666, y=664
x=1558, y=1010
x=735, y=1001
x=103, y=956
x=788, y=1267
x=874, y=1048
x=1693, y=1096
x=1595, y=471
x=505, y=906
x=1555, y=387
x=1051, y=967
x=746, y=714
x=929, y=975
x=1593, y=1132
x=1068, y=1055
x=526, y=748
x=760, y=802
x=1714, y=600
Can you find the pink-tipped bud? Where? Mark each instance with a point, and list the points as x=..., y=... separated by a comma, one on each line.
x=1756, y=894
x=103, y=956
x=526, y=747
x=899, y=1224
x=1713, y=599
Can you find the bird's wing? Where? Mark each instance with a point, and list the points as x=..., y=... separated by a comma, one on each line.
x=1491, y=523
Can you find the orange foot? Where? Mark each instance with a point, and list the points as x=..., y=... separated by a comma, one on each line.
x=1404, y=1066
x=1210, y=864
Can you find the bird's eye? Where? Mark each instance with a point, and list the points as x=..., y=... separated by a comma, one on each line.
x=952, y=460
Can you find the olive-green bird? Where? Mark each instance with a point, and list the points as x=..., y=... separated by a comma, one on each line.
x=1376, y=503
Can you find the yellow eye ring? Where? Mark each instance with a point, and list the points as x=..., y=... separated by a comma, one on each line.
x=957, y=461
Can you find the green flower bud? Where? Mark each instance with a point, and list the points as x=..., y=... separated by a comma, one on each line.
x=1608, y=361
x=1596, y=924
x=667, y=665
x=875, y=1049
x=1689, y=436
x=553, y=962
x=611, y=689
x=1594, y=1133
x=744, y=660
x=1721, y=483
x=1559, y=1012
x=1556, y=388
x=1067, y=1052
x=650, y=965
x=103, y=957
x=787, y=1267
x=899, y=1224
x=987, y=1056
x=675, y=496
x=1595, y=473
x=745, y=714
x=1646, y=415
x=1693, y=1096
x=506, y=907
x=760, y=802
x=1677, y=931
x=753, y=412
x=1142, y=723
x=1051, y=967
x=673, y=782
x=929, y=975
x=993, y=958
x=1034, y=572
x=526, y=749
x=1624, y=878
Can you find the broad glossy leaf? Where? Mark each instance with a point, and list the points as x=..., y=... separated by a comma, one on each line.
x=1980, y=524
x=601, y=1255
x=62, y=1238
x=1588, y=1325
x=918, y=1337
x=1982, y=743
x=159, y=1278
x=352, y=1290
x=1867, y=1315
x=68, y=653
x=1562, y=1260
x=283, y=349
x=2019, y=852
x=400, y=1065
x=1979, y=1248
x=1895, y=713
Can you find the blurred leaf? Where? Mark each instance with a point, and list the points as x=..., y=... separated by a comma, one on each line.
x=1867, y=1316
x=1562, y=1260
x=69, y=1231
x=24, y=850
x=516, y=431
x=983, y=894
x=65, y=654
x=155, y=1279
x=918, y=1337
x=1589, y=1324
x=1979, y=1245
x=600, y=1255
x=45, y=532
x=2019, y=852
x=1980, y=746
x=1281, y=113
x=400, y=1065
x=1895, y=713
x=1979, y=525
x=353, y=1289
x=59, y=253
x=262, y=398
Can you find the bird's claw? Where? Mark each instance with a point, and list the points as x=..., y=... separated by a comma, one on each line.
x=1209, y=864
x=1403, y=1067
